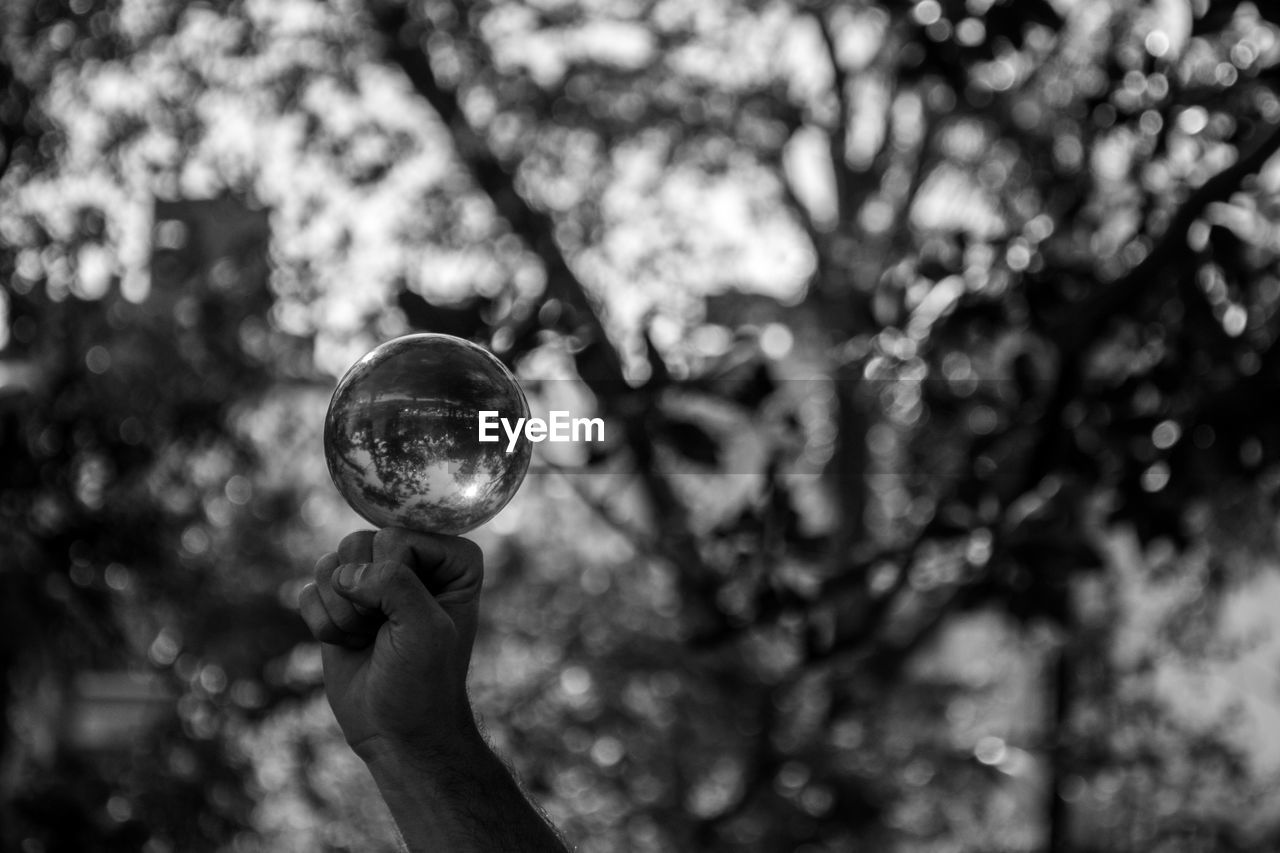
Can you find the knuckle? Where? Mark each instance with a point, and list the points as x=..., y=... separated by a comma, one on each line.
x=466, y=562
x=396, y=572
x=385, y=537
x=319, y=621
x=325, y=566
x=469, y=553
x=348, y=619
x=353, y=543
x=390, y=543
x=312, y=611
x=309, y=595
x=340, y=610
x=398, y=576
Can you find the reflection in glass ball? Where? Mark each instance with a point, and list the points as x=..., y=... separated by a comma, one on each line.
x=402, y=435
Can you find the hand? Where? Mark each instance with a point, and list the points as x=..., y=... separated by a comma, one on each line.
x=396, y=613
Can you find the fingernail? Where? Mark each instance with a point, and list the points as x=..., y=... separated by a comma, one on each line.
x=349, y=575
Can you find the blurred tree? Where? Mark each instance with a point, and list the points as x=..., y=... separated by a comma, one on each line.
x=118, y=444
x=905, y=316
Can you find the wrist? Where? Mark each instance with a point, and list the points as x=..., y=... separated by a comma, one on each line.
x=391, y=759
x=456, y=794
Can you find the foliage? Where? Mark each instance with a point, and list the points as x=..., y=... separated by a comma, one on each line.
x=936, y=342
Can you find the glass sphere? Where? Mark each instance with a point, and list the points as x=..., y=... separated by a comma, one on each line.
x=401, y=436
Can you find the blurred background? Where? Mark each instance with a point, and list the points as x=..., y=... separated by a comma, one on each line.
x=936, y=344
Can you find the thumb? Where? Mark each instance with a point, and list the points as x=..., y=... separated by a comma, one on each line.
x=392, y=589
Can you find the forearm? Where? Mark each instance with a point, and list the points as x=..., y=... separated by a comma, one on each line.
x=461, y=799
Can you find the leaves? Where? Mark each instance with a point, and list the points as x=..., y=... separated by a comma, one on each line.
x=1007, y=302
x=690, y=440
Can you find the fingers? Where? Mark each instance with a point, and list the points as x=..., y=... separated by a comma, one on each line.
x=356, y=547
x=332, y=618
x=360, y=625
x=451, y=567
x=447, y=567
x=317, y=617
x=391, y=588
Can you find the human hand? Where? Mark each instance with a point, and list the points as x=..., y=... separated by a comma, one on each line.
x=396, y=614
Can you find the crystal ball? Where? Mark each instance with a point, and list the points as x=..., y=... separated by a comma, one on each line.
x=402, y=438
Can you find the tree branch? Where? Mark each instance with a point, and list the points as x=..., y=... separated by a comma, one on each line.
x=844, y=177
x=854, y=185
x=888, y=656
x=598, y=363
x=498, y=182
x=1171, y=247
